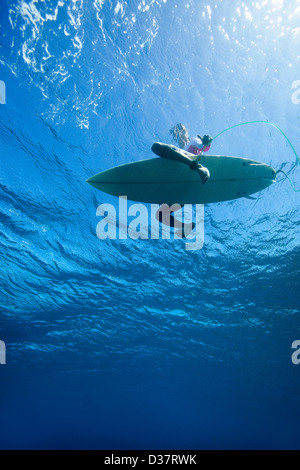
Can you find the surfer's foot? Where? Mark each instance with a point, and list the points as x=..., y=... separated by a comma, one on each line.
x=185, y=230
x=204, y=173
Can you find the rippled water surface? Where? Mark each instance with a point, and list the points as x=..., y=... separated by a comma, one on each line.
x=124, y=344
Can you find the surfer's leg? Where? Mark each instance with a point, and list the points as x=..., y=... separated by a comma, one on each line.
x=202, y=170
x=173, y=153
x=165, y=216
x=187, y=229
x=170, y=152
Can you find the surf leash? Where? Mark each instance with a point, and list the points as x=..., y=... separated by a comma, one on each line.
x=281, y=131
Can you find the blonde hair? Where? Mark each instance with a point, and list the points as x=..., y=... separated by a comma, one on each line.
x=180, y=134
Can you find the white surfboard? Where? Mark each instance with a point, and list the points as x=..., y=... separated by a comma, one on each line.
x=160, y=180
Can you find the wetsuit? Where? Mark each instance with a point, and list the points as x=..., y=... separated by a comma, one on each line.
x=196, y=146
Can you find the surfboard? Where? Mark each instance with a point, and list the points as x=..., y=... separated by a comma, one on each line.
x=161, y=180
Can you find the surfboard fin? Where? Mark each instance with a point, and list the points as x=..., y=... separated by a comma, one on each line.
x=250, y=197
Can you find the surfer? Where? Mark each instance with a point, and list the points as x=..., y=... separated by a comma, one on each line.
x=188, y=152
x=194, y=146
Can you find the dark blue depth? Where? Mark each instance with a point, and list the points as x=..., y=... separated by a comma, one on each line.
x=123, y=344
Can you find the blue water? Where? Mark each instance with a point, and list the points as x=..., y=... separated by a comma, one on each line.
x=123, y=344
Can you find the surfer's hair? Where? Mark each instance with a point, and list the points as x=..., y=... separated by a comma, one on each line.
x=180, y=134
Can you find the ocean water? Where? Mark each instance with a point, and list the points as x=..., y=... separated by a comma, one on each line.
x=141, y=344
